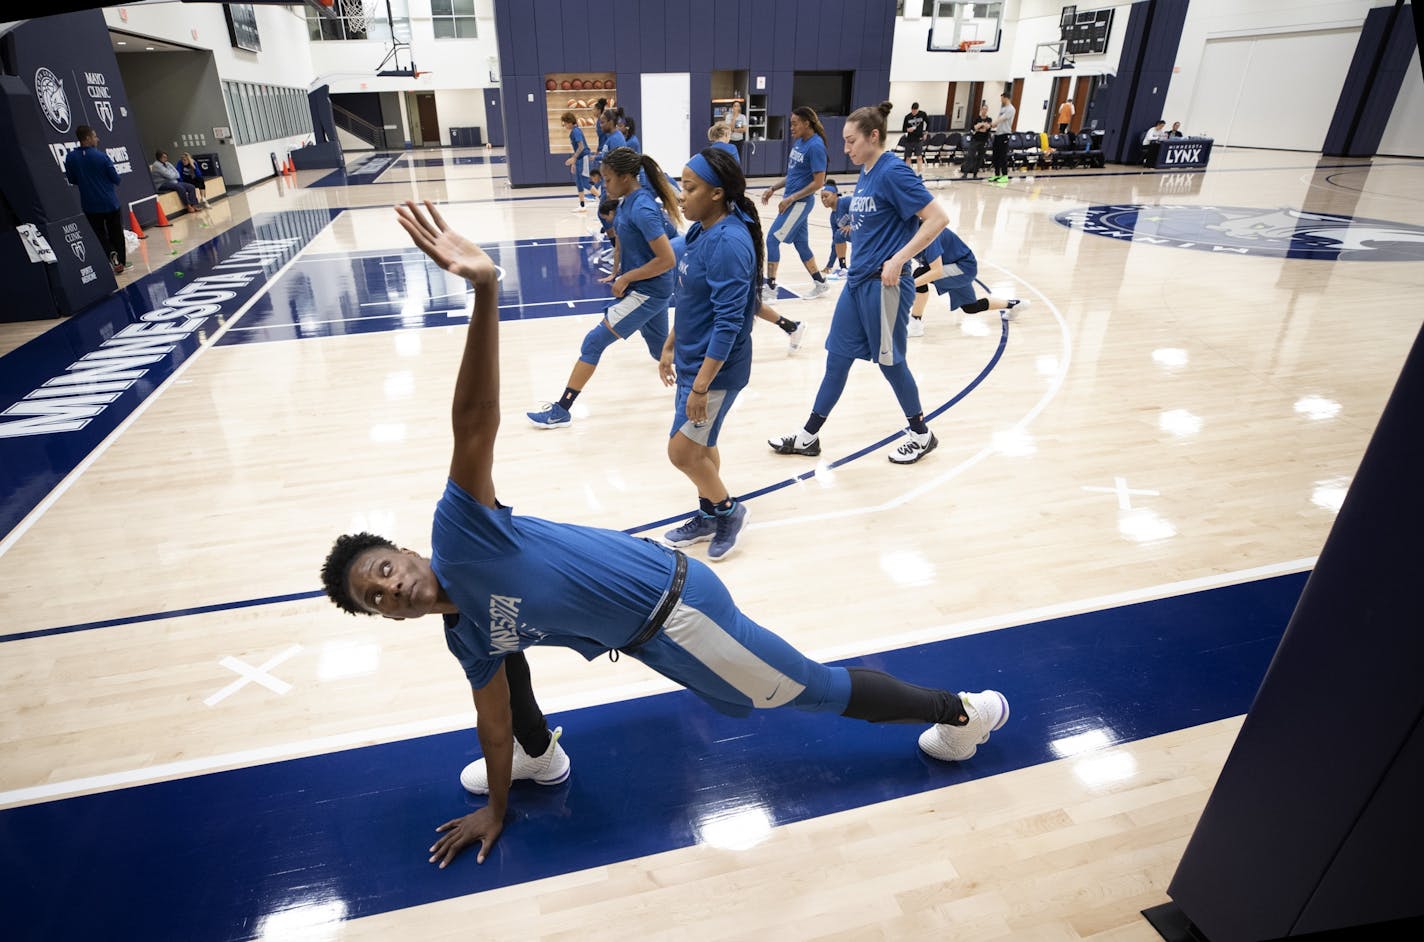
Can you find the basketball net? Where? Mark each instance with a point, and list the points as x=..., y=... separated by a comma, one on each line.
x=354, y=11
x=971, y=46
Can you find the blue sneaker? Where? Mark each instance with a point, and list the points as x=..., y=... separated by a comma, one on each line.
x=699, y=528
x=729, y=527
x=553, y=416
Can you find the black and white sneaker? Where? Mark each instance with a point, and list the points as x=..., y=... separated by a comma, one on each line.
x=914, y=447
x=1012, y=310
x=793, y=445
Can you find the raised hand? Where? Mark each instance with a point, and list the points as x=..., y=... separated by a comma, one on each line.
x=450, y=250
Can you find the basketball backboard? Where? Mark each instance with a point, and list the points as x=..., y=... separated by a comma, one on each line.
x=1051, y=57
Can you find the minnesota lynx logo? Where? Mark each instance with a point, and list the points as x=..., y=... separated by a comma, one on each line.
x=1239, y=230
x=54, y=103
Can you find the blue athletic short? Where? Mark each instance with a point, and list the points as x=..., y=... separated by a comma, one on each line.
x=958, y=283
x=871, y=321
x=792, y=225
x=719, y=403
x=630, y=312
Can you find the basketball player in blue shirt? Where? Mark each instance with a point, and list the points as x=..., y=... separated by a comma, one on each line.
x=805, y=175
x=504, y=583
x=708, y=354
x=950, y=265
x=578, y=163
x=840, y=229
x=643, y=262
x=609, y=140
x=893, y=218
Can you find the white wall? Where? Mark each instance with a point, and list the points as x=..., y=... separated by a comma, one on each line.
x=1404, y=135
x=284, y=60
x=930, y=95
x=1195, y=88
x=459, y=68
x=1038, y=23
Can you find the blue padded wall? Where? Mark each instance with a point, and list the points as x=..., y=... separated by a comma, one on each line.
x=1134, y=99
x=1379, y=68
x=632, y=37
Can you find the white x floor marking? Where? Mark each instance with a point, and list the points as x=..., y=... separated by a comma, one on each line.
x=250, y=674
x=1123, y=492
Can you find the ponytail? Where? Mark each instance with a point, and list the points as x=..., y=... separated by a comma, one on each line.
x=734, y=193
x=810, y=117
x=627, y=161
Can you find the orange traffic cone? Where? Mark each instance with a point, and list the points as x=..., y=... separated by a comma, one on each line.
x=291, y=165
x=163, y=222
x=133, y=224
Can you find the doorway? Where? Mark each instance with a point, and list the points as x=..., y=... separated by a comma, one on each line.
x=494, y=117
x=1056, y=97
x=669, y=96
x=424, y=119
x=1082, y=94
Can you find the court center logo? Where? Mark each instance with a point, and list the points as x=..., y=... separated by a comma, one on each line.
x=1242, y=230
x=54, y=103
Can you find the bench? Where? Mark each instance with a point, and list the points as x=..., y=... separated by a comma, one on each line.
x=172, y=203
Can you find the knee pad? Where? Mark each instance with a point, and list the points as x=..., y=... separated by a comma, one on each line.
x=595, y=342
x=975, y=307
x=922, y=289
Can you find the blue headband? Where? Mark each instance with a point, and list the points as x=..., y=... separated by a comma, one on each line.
x=700, y=166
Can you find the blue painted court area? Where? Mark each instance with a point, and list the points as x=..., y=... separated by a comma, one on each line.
x=328, y=295
x=346, y=834
x=364, y=171
x=65, y=391
x=452, y=161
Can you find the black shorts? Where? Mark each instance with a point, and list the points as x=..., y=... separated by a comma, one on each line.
x=914, y=147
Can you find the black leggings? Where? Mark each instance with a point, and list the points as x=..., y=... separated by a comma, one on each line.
x=1001, y=155
x=877, y=697
x=530, y=728
x=110, y=230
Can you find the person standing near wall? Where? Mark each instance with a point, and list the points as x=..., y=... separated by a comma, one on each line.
x=1065, y=116
x=578, y=163
x=893, y=218
x=978, y=142
x=1003, y=127
x=912, y=135
x=805, y=175
x=91, y=170
x=737, y=128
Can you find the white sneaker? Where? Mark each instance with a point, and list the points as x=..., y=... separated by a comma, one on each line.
x=549, y=769
x=917, y=327
x=793, y=339
x=1012, y=310
x=988, y=710
x=914, y=447
x=579, y=210
x=818, y=289
x=768, y=293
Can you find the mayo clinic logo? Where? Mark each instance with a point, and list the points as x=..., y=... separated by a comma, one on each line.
x=1242, y=230
x=75, y=238
x=49, y=92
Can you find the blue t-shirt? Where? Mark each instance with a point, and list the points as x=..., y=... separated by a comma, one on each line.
x=577, y=141
x=93, y=172
x=715, y=303
x=723, y=145
x=882, y=214
x=634, y=143
x=807, y=158
x=840, y=216
x=950, y=249
x=639, y=222
x=609, y=143
x=521, y=581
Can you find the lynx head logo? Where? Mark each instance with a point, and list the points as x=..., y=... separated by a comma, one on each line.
x=1241, y=230
x=49, y=92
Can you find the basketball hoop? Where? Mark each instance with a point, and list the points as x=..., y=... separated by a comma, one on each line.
x=971, y=45
x=354, y=12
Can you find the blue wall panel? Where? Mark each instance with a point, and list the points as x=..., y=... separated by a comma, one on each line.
x=1377, y=70
x=577, y=48
x=806, y=46
x=599, y=25
x=679, y=41
x=549, y=35
x=832, y=30
x=652, y=17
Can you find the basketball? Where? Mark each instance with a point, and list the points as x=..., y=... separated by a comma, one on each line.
x=550, y=85
x=598, y=83
x=564, y=85
x=577, y=84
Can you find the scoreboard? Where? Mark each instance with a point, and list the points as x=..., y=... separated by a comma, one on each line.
x=1085, y=32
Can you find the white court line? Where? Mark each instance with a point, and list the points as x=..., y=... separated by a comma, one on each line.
x=248, y=674
x=380, y=317
x=318, y=257
x=59, y=489
x=554, y=705
x=967, y=463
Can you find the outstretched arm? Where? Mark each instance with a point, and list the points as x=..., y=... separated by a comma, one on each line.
x=474, y=410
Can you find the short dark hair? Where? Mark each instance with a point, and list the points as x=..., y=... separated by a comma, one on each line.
x=81, y=132
x=337, y=568
x=915, y=106
x=160, y=154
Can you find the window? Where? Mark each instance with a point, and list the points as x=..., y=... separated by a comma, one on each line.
x=954, y=22
x=265, y=112
x=453, y=19
x=377, y=28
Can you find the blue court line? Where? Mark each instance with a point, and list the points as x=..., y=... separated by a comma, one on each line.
x=209, y=857
x=158, y=616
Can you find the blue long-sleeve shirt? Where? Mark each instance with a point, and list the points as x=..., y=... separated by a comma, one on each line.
x=716, y=304
x=93, y=172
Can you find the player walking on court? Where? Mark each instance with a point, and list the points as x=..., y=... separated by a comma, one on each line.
x=950, y=265
x=578, y=163
x=805, y=175
x=893, y=218
x=643, y=262
x=504, y=583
